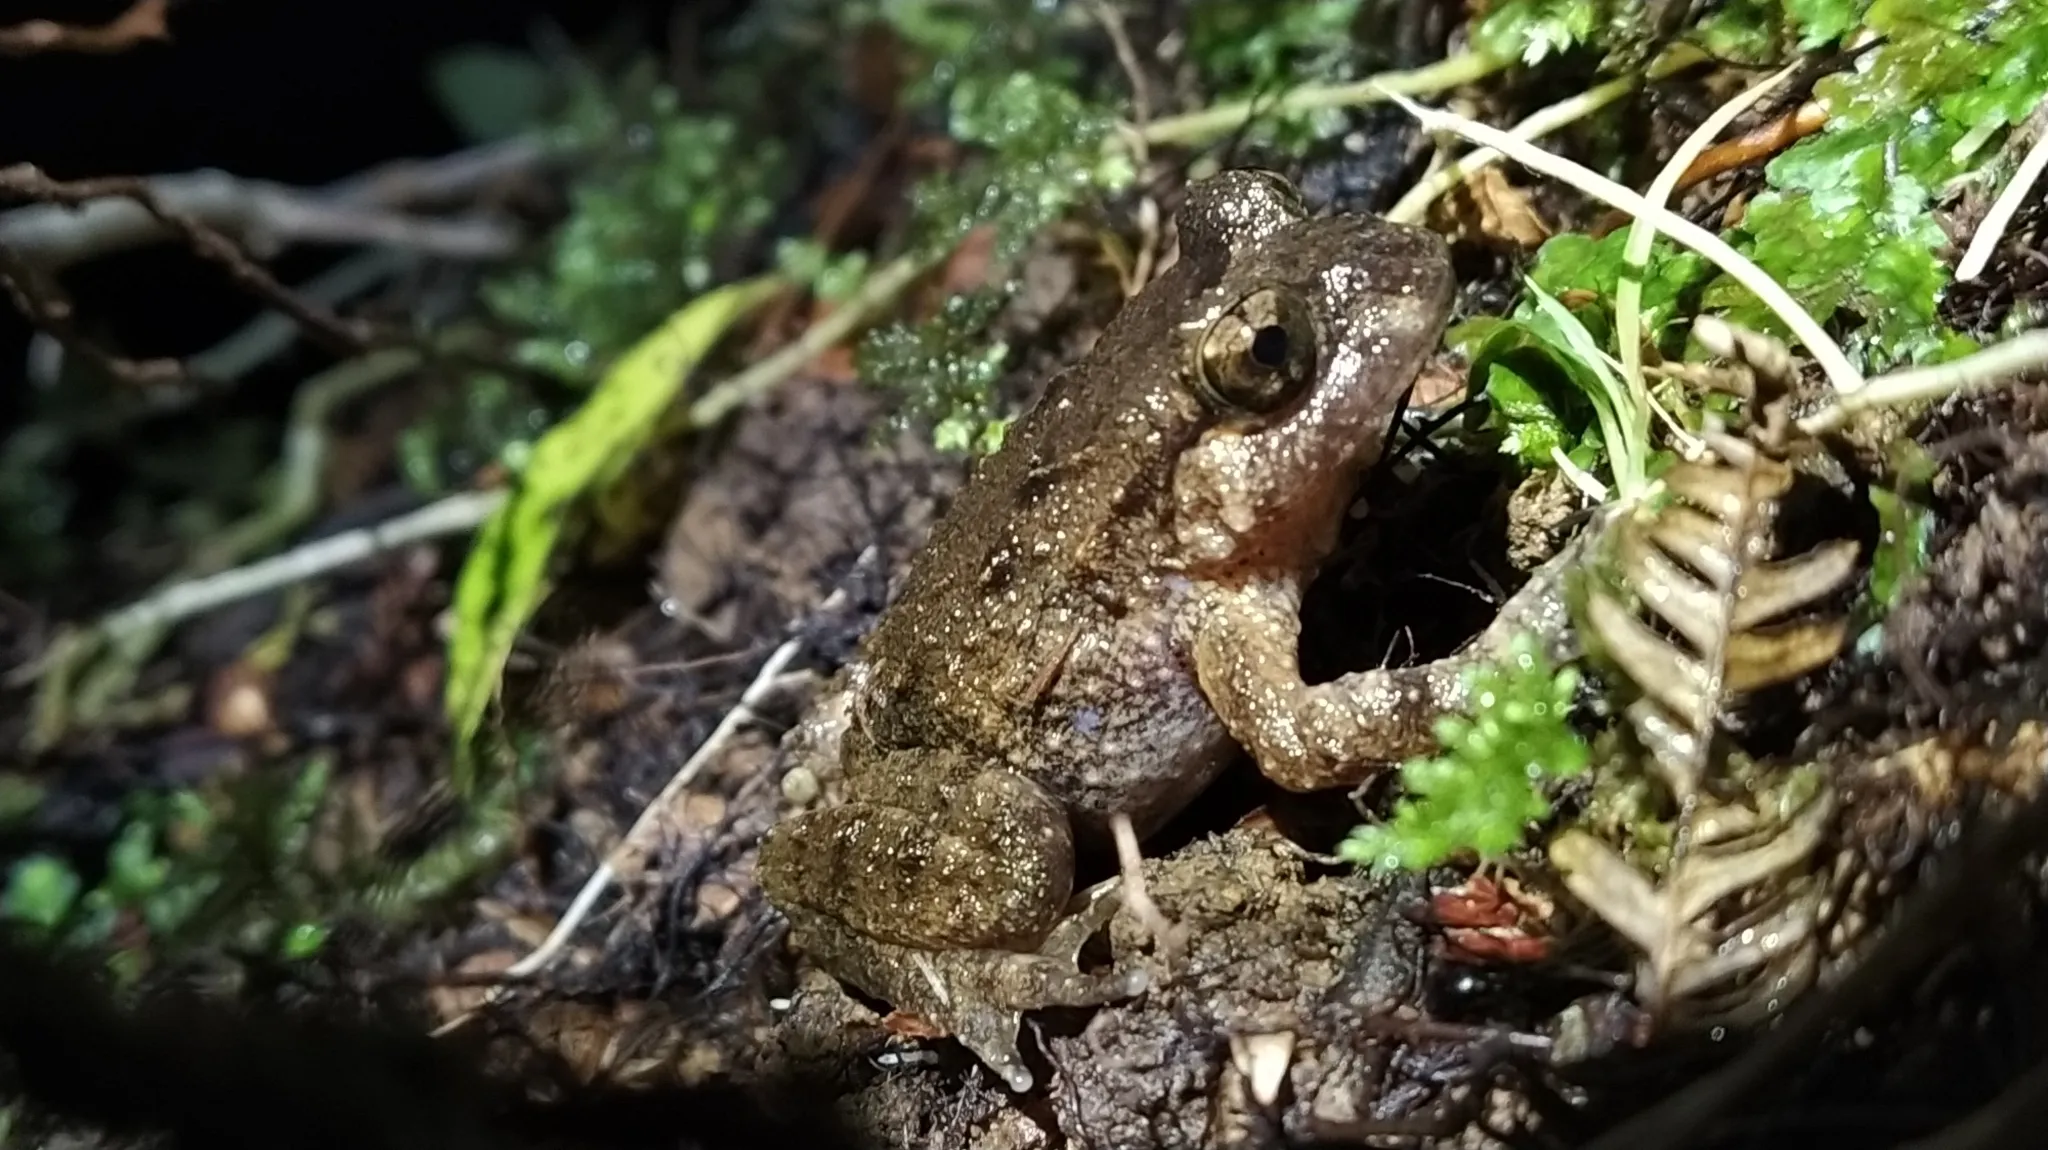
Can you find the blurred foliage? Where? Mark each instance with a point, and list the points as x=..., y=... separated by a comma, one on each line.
x=1041, y=155
x=668, y=203
x=1039, y=146
x=186, y=871
x=257, y=864
x=492, y=417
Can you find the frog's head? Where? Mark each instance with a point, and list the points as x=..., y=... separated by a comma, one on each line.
x=1302, y=342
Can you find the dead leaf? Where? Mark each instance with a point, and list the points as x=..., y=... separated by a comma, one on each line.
x=1439, y=388
x=1500, y=213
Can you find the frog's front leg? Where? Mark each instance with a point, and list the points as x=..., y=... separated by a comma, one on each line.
x=1305, y=737
x=939, y=887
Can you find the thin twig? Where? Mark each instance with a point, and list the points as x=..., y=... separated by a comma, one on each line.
x=271, y=333
x=43, y=303
x=29, y=182
x=132, y=632
x=1541, y=122
x=297, y=494
x=1112, y=22
x=1758, y=143
x=180, y=601
x=878, y=291
x=135, y=637
x=640, y=838
x=456, y=177
x=1628, y=303
x=1131, y=865
x=1223, y=119
x=86, y=219
x=1985, y=243
x=144, y=20
x=1825, y=351
x=2024, y=354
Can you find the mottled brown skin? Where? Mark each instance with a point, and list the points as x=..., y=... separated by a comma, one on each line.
x=1109, y=610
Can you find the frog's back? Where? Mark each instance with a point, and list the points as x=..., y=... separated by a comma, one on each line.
x=1038, y=625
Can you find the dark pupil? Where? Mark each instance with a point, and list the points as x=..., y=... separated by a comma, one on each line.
x=1269, y=347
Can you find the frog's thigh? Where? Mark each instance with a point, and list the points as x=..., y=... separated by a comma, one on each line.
x=987, y=862
x=1247, y=660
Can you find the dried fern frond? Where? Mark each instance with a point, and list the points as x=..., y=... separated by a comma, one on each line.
x=1733, y=929
x=1696, y=565
x=1698, y=614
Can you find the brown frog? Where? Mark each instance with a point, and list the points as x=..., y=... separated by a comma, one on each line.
x=1110, y=610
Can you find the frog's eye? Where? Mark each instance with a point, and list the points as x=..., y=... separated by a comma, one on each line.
x=1260, y=355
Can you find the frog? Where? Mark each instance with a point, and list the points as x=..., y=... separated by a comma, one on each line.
x=1108, y=615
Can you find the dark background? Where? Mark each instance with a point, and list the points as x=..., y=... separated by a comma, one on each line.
x=299, y=91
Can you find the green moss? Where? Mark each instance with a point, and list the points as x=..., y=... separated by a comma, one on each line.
x=1848, y=221
x=1486, y=788
x=942, y=372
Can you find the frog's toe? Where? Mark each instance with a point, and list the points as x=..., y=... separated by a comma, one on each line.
x=1099, y=904
x=990, y=1033
x=1030, y=981
x=986, y=1019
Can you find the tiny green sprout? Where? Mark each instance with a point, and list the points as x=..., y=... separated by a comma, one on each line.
x=1906, y=528
x=1480, y=795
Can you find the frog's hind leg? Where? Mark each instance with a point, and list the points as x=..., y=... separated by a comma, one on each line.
x=930, y=853
x=977, y=996
x=941, y=891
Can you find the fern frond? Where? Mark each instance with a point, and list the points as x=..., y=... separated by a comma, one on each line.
x=1696, y=615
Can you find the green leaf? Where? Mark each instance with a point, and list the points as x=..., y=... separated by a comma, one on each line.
x=1577, y=263
x=491, y=92
x=303, y=941
x=1848, y=225
x=1533, y=429
x=134, y=871
x=504, y=577
x=1547, y=347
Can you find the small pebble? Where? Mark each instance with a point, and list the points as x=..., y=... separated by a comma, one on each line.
x=800, y=786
